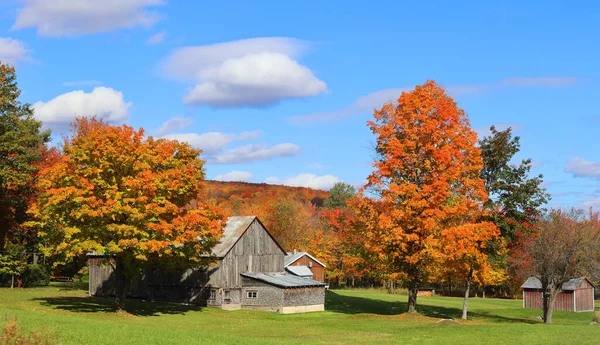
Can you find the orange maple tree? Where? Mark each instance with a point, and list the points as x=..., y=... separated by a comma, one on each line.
x=114, y=191
x=427, y=181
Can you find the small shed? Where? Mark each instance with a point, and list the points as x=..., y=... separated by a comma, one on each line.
x=300, y=263
x=577, y=295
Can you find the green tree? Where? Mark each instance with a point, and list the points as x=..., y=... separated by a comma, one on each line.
x=338, y=195
x=13, y=261
x=515, y=199
x=22, y=147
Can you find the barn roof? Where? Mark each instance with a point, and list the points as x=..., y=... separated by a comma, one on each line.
x=233, y=231
x=301, y=271
x=290, y=258
x=535, y=283
x=284, y=280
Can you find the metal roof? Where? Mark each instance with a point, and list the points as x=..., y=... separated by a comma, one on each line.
x=290, y=258
x=283, y=280
x=535, y=283
x=234, y=229
x=301, y=271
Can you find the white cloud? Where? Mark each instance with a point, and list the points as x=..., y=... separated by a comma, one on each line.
x=157, y=39
x=212, y=142
x=581, y=167
x=254, y=72
x=80, y=17
x=175, y=124
x=375, y=100
x=235, y=175
x=12, y=50
x=306, y=180
x=81, y=83
x=105, y=103
x=255, y=152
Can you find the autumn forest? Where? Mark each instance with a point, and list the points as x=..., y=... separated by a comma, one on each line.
x=442, y=209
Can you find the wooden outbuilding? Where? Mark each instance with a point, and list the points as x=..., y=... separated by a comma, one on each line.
x=577, y=295
x=247, y=272
x=304, y=265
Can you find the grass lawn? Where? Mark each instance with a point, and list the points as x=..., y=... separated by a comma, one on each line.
x=352, y=317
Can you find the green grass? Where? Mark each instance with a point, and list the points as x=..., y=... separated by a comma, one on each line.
x=352, y=317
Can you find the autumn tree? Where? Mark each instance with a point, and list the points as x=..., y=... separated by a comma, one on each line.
x=119, y=193
x=22, y=146
x=515, y=199
x=339, y=194
x=426, y=178
x=465, y=255
x=564, y=245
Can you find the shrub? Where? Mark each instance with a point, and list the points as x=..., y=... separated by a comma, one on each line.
x=35, y=275
x=15, y=335
x=596, y=317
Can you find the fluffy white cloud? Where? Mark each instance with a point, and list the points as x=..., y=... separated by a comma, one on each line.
x=256, y=152
x=157, y=39
x=212, y=142
x=104, y=102
x=175, y=124
x=80, y=17
x=581, y=167
x=306, y=180
x=235, y=175
x=253, y=72
x=12, y=50
x=375, y=100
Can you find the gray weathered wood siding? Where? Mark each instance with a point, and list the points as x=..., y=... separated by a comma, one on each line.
x=101, y=277
x=255, y=251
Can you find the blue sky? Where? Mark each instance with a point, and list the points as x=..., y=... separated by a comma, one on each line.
x=281, y=91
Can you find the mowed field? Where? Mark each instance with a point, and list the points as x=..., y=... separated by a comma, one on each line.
x=352, y=317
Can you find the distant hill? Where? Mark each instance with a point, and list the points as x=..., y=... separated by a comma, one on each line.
x=223, y=193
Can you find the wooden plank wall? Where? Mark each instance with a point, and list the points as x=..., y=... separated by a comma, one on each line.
x=585, y=299
x=317, y=270
x=533, y=300
x=256, y=251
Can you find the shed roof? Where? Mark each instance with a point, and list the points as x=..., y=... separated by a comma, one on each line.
x=283, y=280
x=571, y=285
x=233, y=231
x=301, y=271
x=290, y=258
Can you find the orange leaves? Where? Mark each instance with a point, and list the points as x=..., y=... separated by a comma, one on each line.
x=427, y=177
x=126, y=194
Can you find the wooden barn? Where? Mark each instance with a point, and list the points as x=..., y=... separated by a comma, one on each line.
x=577, y=295
x=305, y=265
x=248, y=273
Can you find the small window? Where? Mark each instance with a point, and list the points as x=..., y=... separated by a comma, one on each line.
x=251, y=294
x=213, y=294
x=310, y=264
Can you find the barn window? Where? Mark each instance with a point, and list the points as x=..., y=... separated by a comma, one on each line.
x=252, y=294
x=213, y=294
x=310, y=264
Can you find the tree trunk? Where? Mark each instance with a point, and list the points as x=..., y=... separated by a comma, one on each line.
x=120, y=285
x=548, y=304
x=12, y=281
x=466, y=300
x=413, y=289
x=483, y=292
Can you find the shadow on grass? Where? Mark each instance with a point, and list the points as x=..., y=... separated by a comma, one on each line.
x=357, y=305
x=107, y=305
x=70, y=286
